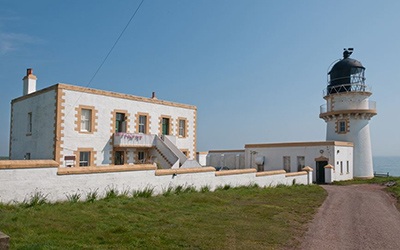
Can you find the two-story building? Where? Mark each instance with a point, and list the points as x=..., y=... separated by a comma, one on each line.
x=79, y=126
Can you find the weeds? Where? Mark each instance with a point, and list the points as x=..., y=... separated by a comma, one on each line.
x=168, y=191
x=36, y=199
x=225, y=187
x=74, y=198
x=92, y=195
x=205, y=189
x=111, y=192
x=145, y=193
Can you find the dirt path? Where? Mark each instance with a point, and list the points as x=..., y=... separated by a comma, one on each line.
x=355, y=217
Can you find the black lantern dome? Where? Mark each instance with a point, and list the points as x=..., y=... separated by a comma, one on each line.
x=346, y=75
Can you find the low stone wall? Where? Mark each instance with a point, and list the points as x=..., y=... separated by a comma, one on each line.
x=4, y=241
x=18, y=184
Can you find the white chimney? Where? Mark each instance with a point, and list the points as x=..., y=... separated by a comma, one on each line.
x=29, y=82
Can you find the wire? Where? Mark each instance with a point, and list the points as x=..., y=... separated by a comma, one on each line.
x=112, y=48
x=108, y=54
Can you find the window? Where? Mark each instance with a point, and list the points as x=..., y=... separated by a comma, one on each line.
x=185, y=152
x=342, y=126
x=141, y=156
x=165, y=126
x=120, y=124
x=27, y=156
x=341, y=167
x=143, y=124
x=182, y=128
x=286, y=163
x=348, y=167
x=86, y=120
x=29, y=123
x=119, y=158
x=300, y=163
x=84, y=158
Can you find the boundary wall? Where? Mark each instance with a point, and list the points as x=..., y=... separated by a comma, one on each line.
x=21, y=179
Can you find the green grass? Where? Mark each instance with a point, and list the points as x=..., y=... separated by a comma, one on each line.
x=229, y=218
x=4, y=158
x=395, y=190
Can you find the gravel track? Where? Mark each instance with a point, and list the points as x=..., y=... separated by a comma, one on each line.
x=355, y=217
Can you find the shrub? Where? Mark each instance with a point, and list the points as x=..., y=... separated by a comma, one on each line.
x=178, y=189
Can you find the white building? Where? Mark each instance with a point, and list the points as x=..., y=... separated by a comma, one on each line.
x=346, y=153
x=79, y=126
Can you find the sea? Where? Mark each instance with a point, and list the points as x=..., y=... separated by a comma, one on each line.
x=387, y=164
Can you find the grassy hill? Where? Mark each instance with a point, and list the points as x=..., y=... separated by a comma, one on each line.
x=229, y=218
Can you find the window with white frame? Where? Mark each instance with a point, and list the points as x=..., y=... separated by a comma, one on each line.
x=86, y=120
x=84, y=159
x=142, y=124
x=30, y=123
x=182, y=124
x=286, y=163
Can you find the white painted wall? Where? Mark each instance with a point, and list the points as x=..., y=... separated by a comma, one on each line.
x=231, y=160
x=18, y=184
x=105, y=105
x=202, y=159
x=41, y=143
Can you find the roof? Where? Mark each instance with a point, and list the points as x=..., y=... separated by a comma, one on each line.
x=300, y=144
x=104, y=93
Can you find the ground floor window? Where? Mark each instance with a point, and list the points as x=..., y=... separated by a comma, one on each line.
x=119, y=158
x=141, y=156
x=286, y=163
x=300, y=163
x=341, y=167
x=84, y=159
x=348, y=167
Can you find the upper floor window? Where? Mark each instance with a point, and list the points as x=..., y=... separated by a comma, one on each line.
x=165, y=126
x=342, y=126
x=143, y=124
x=30, y=123
x=182, y=128
x=120, y=124
x=86, y=117
x=86, y=120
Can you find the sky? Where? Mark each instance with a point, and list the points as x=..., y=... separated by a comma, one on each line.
x=255, y=69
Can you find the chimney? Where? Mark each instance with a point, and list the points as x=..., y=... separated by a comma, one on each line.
x=29, y=82
x=153, y=96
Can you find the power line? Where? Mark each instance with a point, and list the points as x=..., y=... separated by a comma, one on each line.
x=108, y=54
x=112, y=48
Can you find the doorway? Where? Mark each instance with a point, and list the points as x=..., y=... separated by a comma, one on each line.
x=321, y=171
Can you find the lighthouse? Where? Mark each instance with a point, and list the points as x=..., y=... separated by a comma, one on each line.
x=348, y=110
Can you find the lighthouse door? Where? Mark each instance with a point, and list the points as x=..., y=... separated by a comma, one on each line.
x=321, y=171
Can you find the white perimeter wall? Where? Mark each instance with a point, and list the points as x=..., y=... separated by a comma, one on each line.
x=41, y=143
x=18, y=184
x=105, y=105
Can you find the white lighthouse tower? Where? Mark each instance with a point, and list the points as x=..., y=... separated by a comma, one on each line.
x=348, y=110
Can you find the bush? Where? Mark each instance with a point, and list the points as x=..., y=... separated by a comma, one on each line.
x=111, y=192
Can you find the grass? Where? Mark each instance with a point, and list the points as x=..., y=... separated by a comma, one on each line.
x=395, y=190
x=238, y=218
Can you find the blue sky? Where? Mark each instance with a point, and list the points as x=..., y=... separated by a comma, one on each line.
x=254, y=69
